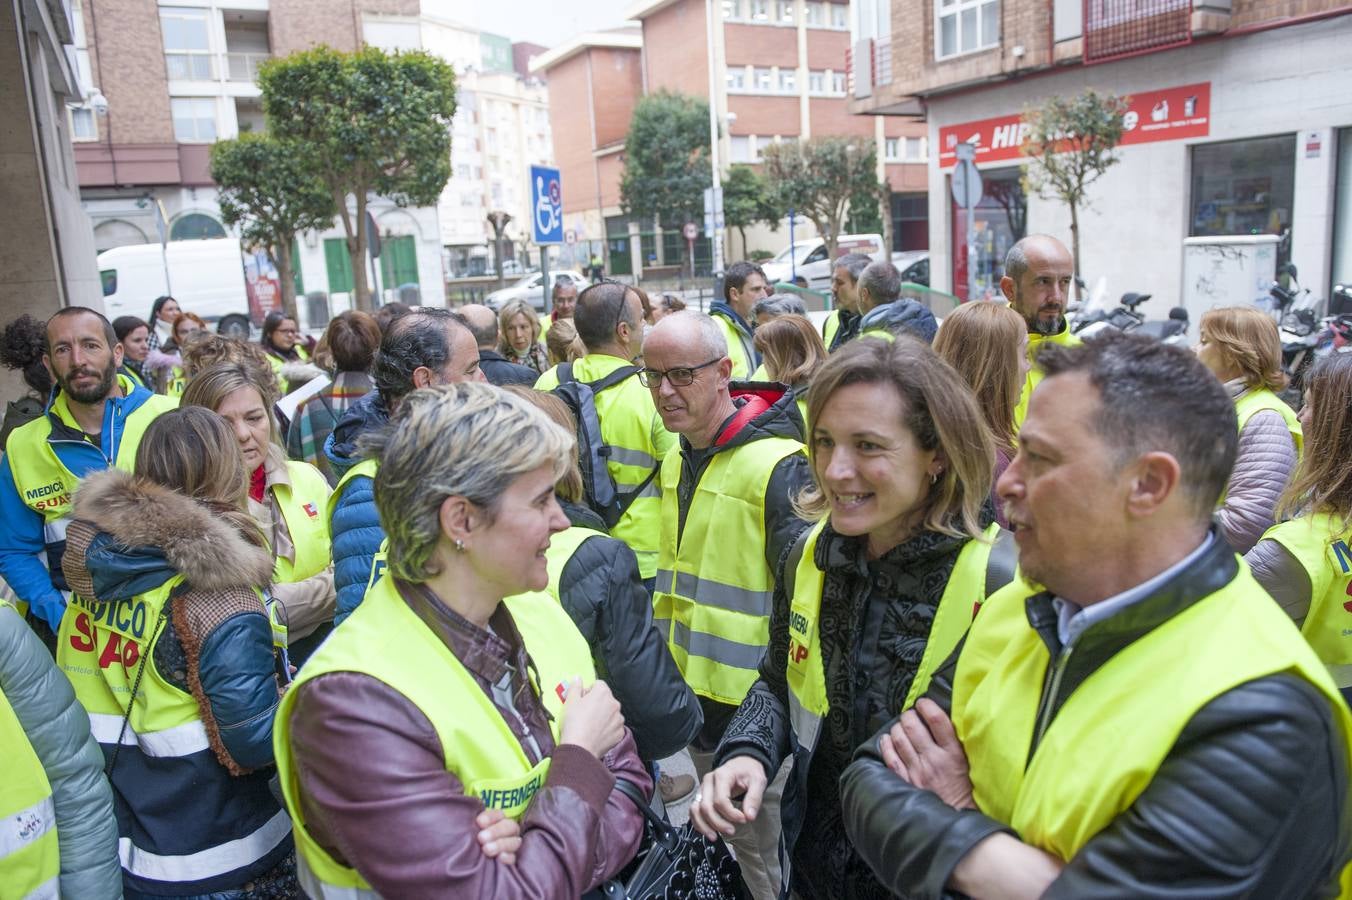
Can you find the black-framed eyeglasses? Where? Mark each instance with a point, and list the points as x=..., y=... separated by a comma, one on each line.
x=679, y=377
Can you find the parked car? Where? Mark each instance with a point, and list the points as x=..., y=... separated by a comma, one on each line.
x=531, y=287
x=913, y=266
x=808, y=258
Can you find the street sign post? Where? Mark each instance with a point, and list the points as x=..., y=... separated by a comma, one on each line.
x=690, y=231
x=546, y=203
x=967, y=190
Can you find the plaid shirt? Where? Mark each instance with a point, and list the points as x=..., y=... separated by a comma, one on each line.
x=316, y=419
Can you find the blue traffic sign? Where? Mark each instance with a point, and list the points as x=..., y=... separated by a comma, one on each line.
x=546, y=202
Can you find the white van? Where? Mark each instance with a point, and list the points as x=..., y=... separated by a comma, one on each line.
x=205, y=277
x=808, y=258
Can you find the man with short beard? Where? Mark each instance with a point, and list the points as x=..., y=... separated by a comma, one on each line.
x=94, y=420
x=1038, y=271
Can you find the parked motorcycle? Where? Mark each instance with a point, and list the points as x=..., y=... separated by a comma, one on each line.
x=1128, y=317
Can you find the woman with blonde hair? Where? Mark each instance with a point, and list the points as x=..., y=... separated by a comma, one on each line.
x=287, y=498
x=168, y=646
x=520, y=340
x=563, y=343
x=459, y=698
x=1241, y=346
x=987, y=344
x=1305, y=563
x=868, y=602
x=791, y=351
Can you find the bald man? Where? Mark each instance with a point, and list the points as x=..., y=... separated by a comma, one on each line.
x=1038, y=271
x=483, y=324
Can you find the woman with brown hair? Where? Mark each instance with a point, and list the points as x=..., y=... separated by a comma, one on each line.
x=791, y=351
x=168, y=646
x=351, y=342
x=1241, y=346
x=1305, y=563
x=868, y=602
x=520, y=340
x=987, y=344
x=287, y=498
x=170, y=375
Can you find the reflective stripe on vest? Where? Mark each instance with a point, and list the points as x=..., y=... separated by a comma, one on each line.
x=637, y=439
x=713, y=588
x=1319, y=542
x=1258, y=399
x=386, y=640
x=1125, y=717
x=299, y=503
x=1035, y=342
x=102, y=646
x=30, y=863
x=808, y=703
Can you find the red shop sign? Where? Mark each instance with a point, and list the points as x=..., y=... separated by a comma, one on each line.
x=1167, y=115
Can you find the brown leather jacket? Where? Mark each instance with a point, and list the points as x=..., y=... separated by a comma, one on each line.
x=376, y=794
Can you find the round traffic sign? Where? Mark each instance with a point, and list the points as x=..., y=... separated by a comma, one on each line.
x=690, y=231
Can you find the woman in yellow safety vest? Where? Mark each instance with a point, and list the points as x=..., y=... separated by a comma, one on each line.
x=167, y=644
x=287, y=498
x=1305, y=563
x=1241, y=346
x=791, y=352
x=870, y=600
x=170, y=375
x=284, y=346
x=459, y=697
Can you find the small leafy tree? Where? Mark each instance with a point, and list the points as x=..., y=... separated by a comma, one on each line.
x=818, y=177
x=266, y=189
x=368, y=122
x=1070, y=143
x=747, y=200
x=666, y=160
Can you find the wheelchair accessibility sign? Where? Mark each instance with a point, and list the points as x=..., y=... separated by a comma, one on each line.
x=546, y=200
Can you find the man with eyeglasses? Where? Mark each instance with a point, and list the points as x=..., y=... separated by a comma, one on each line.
x=609, y=320
x=727, y=517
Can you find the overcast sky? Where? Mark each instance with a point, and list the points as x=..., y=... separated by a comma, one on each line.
x=547, y=22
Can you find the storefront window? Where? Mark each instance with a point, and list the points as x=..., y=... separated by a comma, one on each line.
x=1000, y=219
x=1342, y=219
x=1244, y=187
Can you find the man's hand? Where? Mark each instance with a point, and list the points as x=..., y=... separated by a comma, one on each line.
x=923, y=749
x=499, y=836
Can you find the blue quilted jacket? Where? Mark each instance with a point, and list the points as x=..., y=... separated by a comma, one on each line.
x=355, y=525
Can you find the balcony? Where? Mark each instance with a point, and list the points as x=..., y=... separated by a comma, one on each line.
x=243, y=66
x=876, y=59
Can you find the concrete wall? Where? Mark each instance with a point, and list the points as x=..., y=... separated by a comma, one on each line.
x=1292, y=79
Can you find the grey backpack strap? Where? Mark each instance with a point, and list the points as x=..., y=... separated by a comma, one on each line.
x=1003, y=562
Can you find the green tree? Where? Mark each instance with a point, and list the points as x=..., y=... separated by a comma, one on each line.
x=266, y=189
x=367, y=123
x=747, y=200
x=666, y=160
x=816, y=178
x=1070, y=143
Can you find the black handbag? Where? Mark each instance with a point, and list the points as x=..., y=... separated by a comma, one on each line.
x=675, y=863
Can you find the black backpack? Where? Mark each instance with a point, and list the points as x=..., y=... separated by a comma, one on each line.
x=598, y=486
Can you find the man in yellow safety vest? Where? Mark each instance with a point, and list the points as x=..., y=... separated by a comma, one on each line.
x=1038, y=271
x=1135, y=714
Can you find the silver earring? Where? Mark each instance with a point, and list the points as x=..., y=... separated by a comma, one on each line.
x=460, y=545
x=934, y=478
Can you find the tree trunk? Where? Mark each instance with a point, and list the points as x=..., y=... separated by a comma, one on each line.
x=281, y=258
x=885, y=214
x=356, y=249
x=1075, y=248
x=741, y=229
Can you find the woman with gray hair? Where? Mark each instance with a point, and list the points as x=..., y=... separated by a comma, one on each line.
x=450, y=739
x=519, y=341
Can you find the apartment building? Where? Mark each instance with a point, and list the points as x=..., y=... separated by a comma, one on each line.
x=1239, y=123
x=171, y=78
x=778, y=71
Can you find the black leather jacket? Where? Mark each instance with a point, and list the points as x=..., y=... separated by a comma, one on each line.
x=1252, y=801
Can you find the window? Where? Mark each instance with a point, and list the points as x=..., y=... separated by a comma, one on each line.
x=187, y=45
x=1342, y=217
x=83, y=126
x=966, y=25
x=734, y=10
x=194, y=119
x=195, y=227
x=784, y=12
x=392, y=35
x=815, y=13
x=816, y=82
x=1001, y=217
x=339, y=265
x=838, y=83
x=840, y=15
x=736, y=79
x=760, y=10
x=761, y=144
x=1244, y=187
x=891, y=150
x=788, y=81
x=739, y=148
x=764, y=80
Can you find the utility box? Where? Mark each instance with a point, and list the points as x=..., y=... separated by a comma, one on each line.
x=1226, y=271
